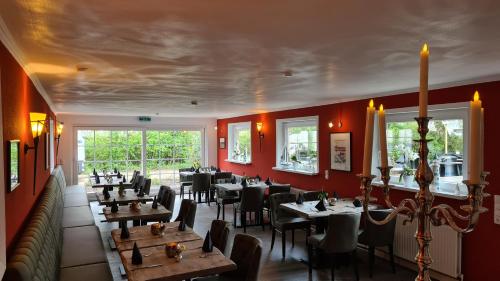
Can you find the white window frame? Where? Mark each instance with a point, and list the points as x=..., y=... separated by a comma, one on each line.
x=232, y=128
x=282, y=126
x=438, y=112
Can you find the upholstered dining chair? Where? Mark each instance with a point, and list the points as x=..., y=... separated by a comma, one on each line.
x=252, y=199
x=378, y=236
x=275, y=188
x=201, y=184
x=187, y=212
x=219, y=232
x=341, y=237
x=168, y=201
x=282, y=221
x=311, y=195
x=147, y=186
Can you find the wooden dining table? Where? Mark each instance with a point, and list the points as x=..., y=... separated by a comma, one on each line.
x=146, y=212
x=104, y=183
x=308, y=209
x=129, y=197
x=157, y=266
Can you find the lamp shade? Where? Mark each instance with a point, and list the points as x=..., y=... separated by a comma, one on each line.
x=259, y=126
x=37, y=123
x=60, y=126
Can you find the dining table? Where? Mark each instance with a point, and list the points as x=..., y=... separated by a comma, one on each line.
x=104, y=183
x=156, y=265
x=127, y=213
x=128, y=196
x=238, y=187
x=308, y=210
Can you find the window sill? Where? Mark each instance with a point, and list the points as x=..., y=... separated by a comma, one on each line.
x=302, y=172
x=439, y=193
x=238, y=162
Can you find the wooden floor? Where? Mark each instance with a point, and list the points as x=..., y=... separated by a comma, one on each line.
x=273, y=268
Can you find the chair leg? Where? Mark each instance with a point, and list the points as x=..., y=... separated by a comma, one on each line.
x=223, y=212
x=218, y=210
x=243, y=218
x=333, y=269
x=262, y=220
x=371, y=260
x=355, y=264
x=308, y=233
x=234, y=216
x=309, y=256
x=293, y=238
x=272, y=237
x=283, y=243
x=391, y=254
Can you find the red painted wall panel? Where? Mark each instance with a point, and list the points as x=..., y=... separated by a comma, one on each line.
x=19, y=97
x=480, y=243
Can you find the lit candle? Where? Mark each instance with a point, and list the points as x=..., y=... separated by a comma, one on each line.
x=367, y=160
x=383, y=139
x=474, y=142
x=424, y=75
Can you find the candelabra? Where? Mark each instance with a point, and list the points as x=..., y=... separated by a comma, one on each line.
x=422, y=207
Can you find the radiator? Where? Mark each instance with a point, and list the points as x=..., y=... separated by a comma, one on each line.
x=445, y=249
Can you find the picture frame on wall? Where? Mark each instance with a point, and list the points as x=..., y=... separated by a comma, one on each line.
x=222, y=143
x=340, y=151
x=13, y=164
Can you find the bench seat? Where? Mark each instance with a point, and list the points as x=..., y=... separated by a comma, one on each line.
x=77, y=216
x=92, y=272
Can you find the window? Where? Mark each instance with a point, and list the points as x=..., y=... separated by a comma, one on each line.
x=239, y=142
x=297, y=145
x=447, y=149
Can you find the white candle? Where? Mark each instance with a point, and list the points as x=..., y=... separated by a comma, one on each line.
x=424, y=75
x=481, y=142
x=367, y=159
x=382, y=134
x=474, y=140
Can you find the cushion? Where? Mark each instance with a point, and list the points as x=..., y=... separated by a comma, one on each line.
x=75, y=200
x=95, y=272
x=82, y=245
x=77, y=216
x=71, y=189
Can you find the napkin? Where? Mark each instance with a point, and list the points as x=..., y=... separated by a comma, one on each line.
x=114, y=206
x=125, y=233
x=268, y=181
x=244, y=182
x=136, y=255
x=155, y=203
x=106, y=194
x=320, y=206
x=118, y=175
x=357, y=203
x=300, y=198
x=124, y=179
x=182, y=225
x=97, y=179
x=94, y=172
x=233, y=180
x=208, y=246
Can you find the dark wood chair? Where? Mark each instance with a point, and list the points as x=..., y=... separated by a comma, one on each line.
x=311, y=195
x=282, y=221
x=246, y=253
x=252, y=199
x=184, y=181
x=201, y=185
x=187, y=212
x=219, y=232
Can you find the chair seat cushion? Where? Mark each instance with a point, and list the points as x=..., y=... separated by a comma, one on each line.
x=289, y=223
x=315, y=239
x=71, y=189
x=77, y=216
x=95, y=272
x=82, y=246
x=76, y=200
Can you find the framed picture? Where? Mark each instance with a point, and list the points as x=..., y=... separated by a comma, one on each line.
x=13, y=152
x=47, y=151
x=340, y=151
x=222, y=143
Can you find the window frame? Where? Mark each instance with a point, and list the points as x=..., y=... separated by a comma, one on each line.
x=438, y=112
x=282, y=126
x=232, y=129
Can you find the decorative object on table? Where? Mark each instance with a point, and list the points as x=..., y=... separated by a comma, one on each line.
x=171, y=249
x=233, y=180
x=105, y=192
x=182, y=225
x=155, y=203
x=422, y=207
x=300, y=198
x=121, y=189
x=332, y=201
x=141, y=192
x=244, y=182
x=13, y=160
x=357, y=203
x=157, y=228
x=320, y=206
x=268, y=181
x=118, y=175
x=208, y=245
x=340, y=151
x=192, y=169
x=136, y=255
x=180, y=248
x=407, y=175
x=108, y=178
x=114, y=206
x=222, y=143
x=136, y=205
x=197, y=170
x=125, y=234
x=115, y=170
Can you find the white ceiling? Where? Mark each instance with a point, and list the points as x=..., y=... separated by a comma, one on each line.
x=155, y=56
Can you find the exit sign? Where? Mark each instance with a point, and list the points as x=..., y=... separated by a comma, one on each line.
x=144, y=119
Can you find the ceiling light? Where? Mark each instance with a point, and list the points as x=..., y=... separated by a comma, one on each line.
x=287, y=73
x=80, y=68
x=194, y=102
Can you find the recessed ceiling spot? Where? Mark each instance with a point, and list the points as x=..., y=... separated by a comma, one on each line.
x=194, y=102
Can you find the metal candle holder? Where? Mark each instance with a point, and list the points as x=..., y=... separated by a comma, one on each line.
x=421, y=208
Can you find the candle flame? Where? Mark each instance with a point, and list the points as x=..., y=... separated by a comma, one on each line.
x=381, y=108
x=476, y=96
x=425, y=48
x=371, y=103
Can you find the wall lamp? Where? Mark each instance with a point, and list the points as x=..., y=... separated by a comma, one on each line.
x=60, y=126
x=339, y=124
x=37, y=121
x=261, y=135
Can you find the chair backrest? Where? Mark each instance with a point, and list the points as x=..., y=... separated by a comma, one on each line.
x=139, y=182
x=219, y=231
x=342, y=233
x=147, y=186
x=187, y=211
x=185, y=169
x=134, y=177
x=379, y=235
x=279, y=188
x=222, y=176
x=252, y=199
x=169, y=199
x=246, y=253
x=275, y=201
x=201, y=182
x=311, y=195
x=161, y=193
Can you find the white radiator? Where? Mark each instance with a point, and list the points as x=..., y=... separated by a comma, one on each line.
x=446, y=246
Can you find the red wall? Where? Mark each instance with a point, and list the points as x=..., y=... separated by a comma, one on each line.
x=19, y=97
x=481, y=243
